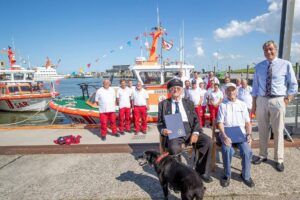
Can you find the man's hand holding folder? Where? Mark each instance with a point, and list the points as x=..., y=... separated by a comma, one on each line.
x=166, y=132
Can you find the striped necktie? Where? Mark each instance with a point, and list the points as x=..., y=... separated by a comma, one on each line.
x=269, y=80
x=176, y=107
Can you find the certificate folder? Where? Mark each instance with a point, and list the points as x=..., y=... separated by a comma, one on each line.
x=235, y=134
x=175, y=124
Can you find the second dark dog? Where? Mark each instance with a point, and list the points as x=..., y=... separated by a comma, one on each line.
x=176, y=174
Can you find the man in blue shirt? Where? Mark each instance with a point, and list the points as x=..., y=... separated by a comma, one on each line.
x=274, y=85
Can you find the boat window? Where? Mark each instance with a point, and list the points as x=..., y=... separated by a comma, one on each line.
x=29, y=76
x=25, y=88
x=168, y=75
x=13, y=89
x=150, y=78
x=18, y=76
x=3, y=90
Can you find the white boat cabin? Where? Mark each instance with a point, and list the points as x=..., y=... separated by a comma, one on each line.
x=154, y=74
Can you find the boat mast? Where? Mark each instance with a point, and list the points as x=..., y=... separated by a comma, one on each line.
x=141, y=45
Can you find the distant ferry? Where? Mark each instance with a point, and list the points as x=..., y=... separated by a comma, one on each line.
x=47, y=73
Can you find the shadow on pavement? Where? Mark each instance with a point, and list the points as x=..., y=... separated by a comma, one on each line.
x=145, y=182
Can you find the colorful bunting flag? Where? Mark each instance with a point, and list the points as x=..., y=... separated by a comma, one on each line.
x=88, y=65
x=129, y=43
x=81, y=70
x=57, y=82
x=137, y=38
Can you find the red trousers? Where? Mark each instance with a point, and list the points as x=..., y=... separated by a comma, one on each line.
x=199, y=113
x=140, y=112
x=104, y=117
x=124, y=118
x=213, y=112
x=203, y=115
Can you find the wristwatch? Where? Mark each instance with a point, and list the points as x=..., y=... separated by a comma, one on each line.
x=288, y=99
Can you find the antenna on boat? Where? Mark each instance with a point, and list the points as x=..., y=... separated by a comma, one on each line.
x=141, y=45
x=13, y=43
x=29, y=64
x=158, y=23
x=146, y=43
x=181, y=47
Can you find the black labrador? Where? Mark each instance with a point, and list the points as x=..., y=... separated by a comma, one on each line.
x=175, y=174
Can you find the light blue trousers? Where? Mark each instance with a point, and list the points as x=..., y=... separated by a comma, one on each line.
x=246, y=155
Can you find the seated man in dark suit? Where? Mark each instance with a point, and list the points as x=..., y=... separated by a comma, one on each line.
x=194, y=134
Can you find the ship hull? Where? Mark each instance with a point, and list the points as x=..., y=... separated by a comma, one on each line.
x=24, y=104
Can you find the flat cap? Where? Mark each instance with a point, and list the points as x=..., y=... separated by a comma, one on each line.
x=175, y=82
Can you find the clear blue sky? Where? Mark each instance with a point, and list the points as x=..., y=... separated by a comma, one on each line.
x=80, y=31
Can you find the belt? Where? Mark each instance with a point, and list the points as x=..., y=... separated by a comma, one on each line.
x=274, y=96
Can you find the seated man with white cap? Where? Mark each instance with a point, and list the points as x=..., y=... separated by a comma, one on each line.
x=234, y=113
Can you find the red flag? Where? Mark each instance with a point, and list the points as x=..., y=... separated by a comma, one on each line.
x=57, y=82
x=167, y=45
x=145, y=34
x=88, y=65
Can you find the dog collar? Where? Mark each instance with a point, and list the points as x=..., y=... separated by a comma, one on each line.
x=161, y=157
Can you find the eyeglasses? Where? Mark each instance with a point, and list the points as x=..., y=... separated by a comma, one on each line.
x=175, y=88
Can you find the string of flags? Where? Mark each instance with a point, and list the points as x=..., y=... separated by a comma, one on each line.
x=165, y=45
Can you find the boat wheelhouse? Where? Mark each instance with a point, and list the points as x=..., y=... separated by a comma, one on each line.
x=19, y=92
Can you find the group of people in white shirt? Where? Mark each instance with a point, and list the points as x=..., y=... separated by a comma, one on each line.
x=207, y=94
x=132, y=102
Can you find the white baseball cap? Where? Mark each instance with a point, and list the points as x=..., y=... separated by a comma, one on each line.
x=228, y=85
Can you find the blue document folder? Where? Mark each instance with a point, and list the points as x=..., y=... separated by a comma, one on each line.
x=175, y=124
x=235, y=134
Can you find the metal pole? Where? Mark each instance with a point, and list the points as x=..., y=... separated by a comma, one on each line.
x=229, y=71
x=297, y=72
x=297, y=109
x=286, y=29
x=247, y=76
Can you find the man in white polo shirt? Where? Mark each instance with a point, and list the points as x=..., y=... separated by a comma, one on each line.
x=196, y=98
x=106, y=99
x=234, y=113
x=123, y=101
x=140, y=106
x=197, y=78
x=244, y=94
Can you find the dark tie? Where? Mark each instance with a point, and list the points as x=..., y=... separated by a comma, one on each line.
x=269, y=80
x=176, y=107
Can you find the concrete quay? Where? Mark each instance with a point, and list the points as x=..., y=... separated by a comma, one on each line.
x=29, y=169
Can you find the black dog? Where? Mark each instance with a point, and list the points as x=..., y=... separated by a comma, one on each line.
x=176, y=174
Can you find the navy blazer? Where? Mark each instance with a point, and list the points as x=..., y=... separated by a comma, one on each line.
x=165, y=108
